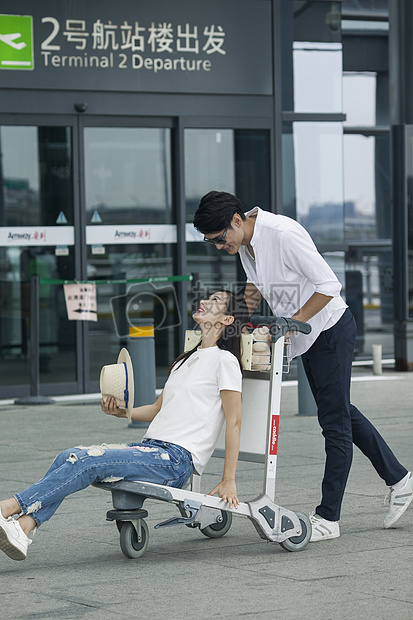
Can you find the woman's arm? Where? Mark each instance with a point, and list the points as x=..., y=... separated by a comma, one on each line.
x=226, y=489
x=145, y=413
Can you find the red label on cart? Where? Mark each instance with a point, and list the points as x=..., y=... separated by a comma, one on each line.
x=274, y=434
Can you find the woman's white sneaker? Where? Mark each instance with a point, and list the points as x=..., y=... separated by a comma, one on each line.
x=323, y=529
x=399, y=502
x=13, y=541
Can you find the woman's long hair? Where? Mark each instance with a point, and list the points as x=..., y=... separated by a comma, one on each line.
x=230, y=339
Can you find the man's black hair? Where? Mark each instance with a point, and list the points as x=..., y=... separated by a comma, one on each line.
x=215, y=212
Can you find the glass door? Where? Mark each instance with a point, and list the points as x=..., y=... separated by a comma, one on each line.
x=130, y=234
x=230, y=160
x=36, y=237
x=92, y=198
x=116, y=225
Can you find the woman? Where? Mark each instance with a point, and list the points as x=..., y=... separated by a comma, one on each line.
x=202, y=390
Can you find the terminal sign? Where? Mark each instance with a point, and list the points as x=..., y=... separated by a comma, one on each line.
x=16, y=42
x=149, y=45
x=109, y=45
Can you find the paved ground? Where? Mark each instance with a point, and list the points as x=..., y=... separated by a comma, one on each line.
x=75, y=568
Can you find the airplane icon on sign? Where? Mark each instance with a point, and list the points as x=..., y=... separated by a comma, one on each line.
x=9, y=39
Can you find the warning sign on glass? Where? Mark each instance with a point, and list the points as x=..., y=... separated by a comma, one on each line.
x=81, y=302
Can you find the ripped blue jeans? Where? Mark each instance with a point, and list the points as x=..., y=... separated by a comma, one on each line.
x=77, y=468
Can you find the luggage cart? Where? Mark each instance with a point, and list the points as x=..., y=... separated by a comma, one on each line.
x=292, y=530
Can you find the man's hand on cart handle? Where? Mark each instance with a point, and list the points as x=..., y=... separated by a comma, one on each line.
x=227, y=491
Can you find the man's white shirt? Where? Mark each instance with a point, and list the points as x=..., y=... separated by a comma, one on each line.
x=288, y=270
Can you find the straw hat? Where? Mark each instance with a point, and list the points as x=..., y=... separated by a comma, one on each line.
x=117, y=380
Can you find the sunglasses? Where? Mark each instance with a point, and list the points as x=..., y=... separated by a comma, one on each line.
x=218, y=240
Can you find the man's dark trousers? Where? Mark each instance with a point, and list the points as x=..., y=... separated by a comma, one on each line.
x=327, y=364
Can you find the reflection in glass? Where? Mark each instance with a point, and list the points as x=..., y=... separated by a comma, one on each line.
x=19, y=203
x=116, y=313
x=316, y=191
x=35, y=175
x=366, y=6
x=367, y=187
x=360, y=203
x=317, y=76
x=311, y=56
x=359, y=98
x=57, y=334
x=128, y=181
x=128, y=175
x=368, y=228
x=35, y=187
x=235, y=161
x=409, y=181
x=209, y=165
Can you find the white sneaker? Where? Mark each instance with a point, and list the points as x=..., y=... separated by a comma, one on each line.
x=399, y=502
x=323, y=529
x=13, y=541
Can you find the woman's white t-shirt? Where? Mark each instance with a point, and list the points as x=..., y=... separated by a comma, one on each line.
x=191, y=415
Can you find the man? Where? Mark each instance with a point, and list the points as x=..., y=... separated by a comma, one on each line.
x=283, y=265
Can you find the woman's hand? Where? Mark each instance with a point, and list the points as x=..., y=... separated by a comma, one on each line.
x=227, y=491
x=110, y=407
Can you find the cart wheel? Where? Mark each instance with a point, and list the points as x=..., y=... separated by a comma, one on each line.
x=296, y=543
x=119, y=525
x=129, y=543
x=216, y=530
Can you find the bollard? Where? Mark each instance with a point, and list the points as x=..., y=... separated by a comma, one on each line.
x=377, y=359
x=142, y=351
x=35, y=397
x=306, y=402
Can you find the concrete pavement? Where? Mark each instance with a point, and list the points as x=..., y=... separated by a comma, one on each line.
x=75, y=568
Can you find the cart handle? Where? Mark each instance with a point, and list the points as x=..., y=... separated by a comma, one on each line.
x=279, y=326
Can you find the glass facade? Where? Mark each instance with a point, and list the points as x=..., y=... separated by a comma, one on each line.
x=234, y=161
x=128, y=175
x=362, y=7
x=36, y=194
x=317, y=76
x=120, y=186
x=409, y=231
x=367, y=207
x=312, y=136
x=318, y=180
x=336, y=175
x=36, y=175
x=128, y=183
